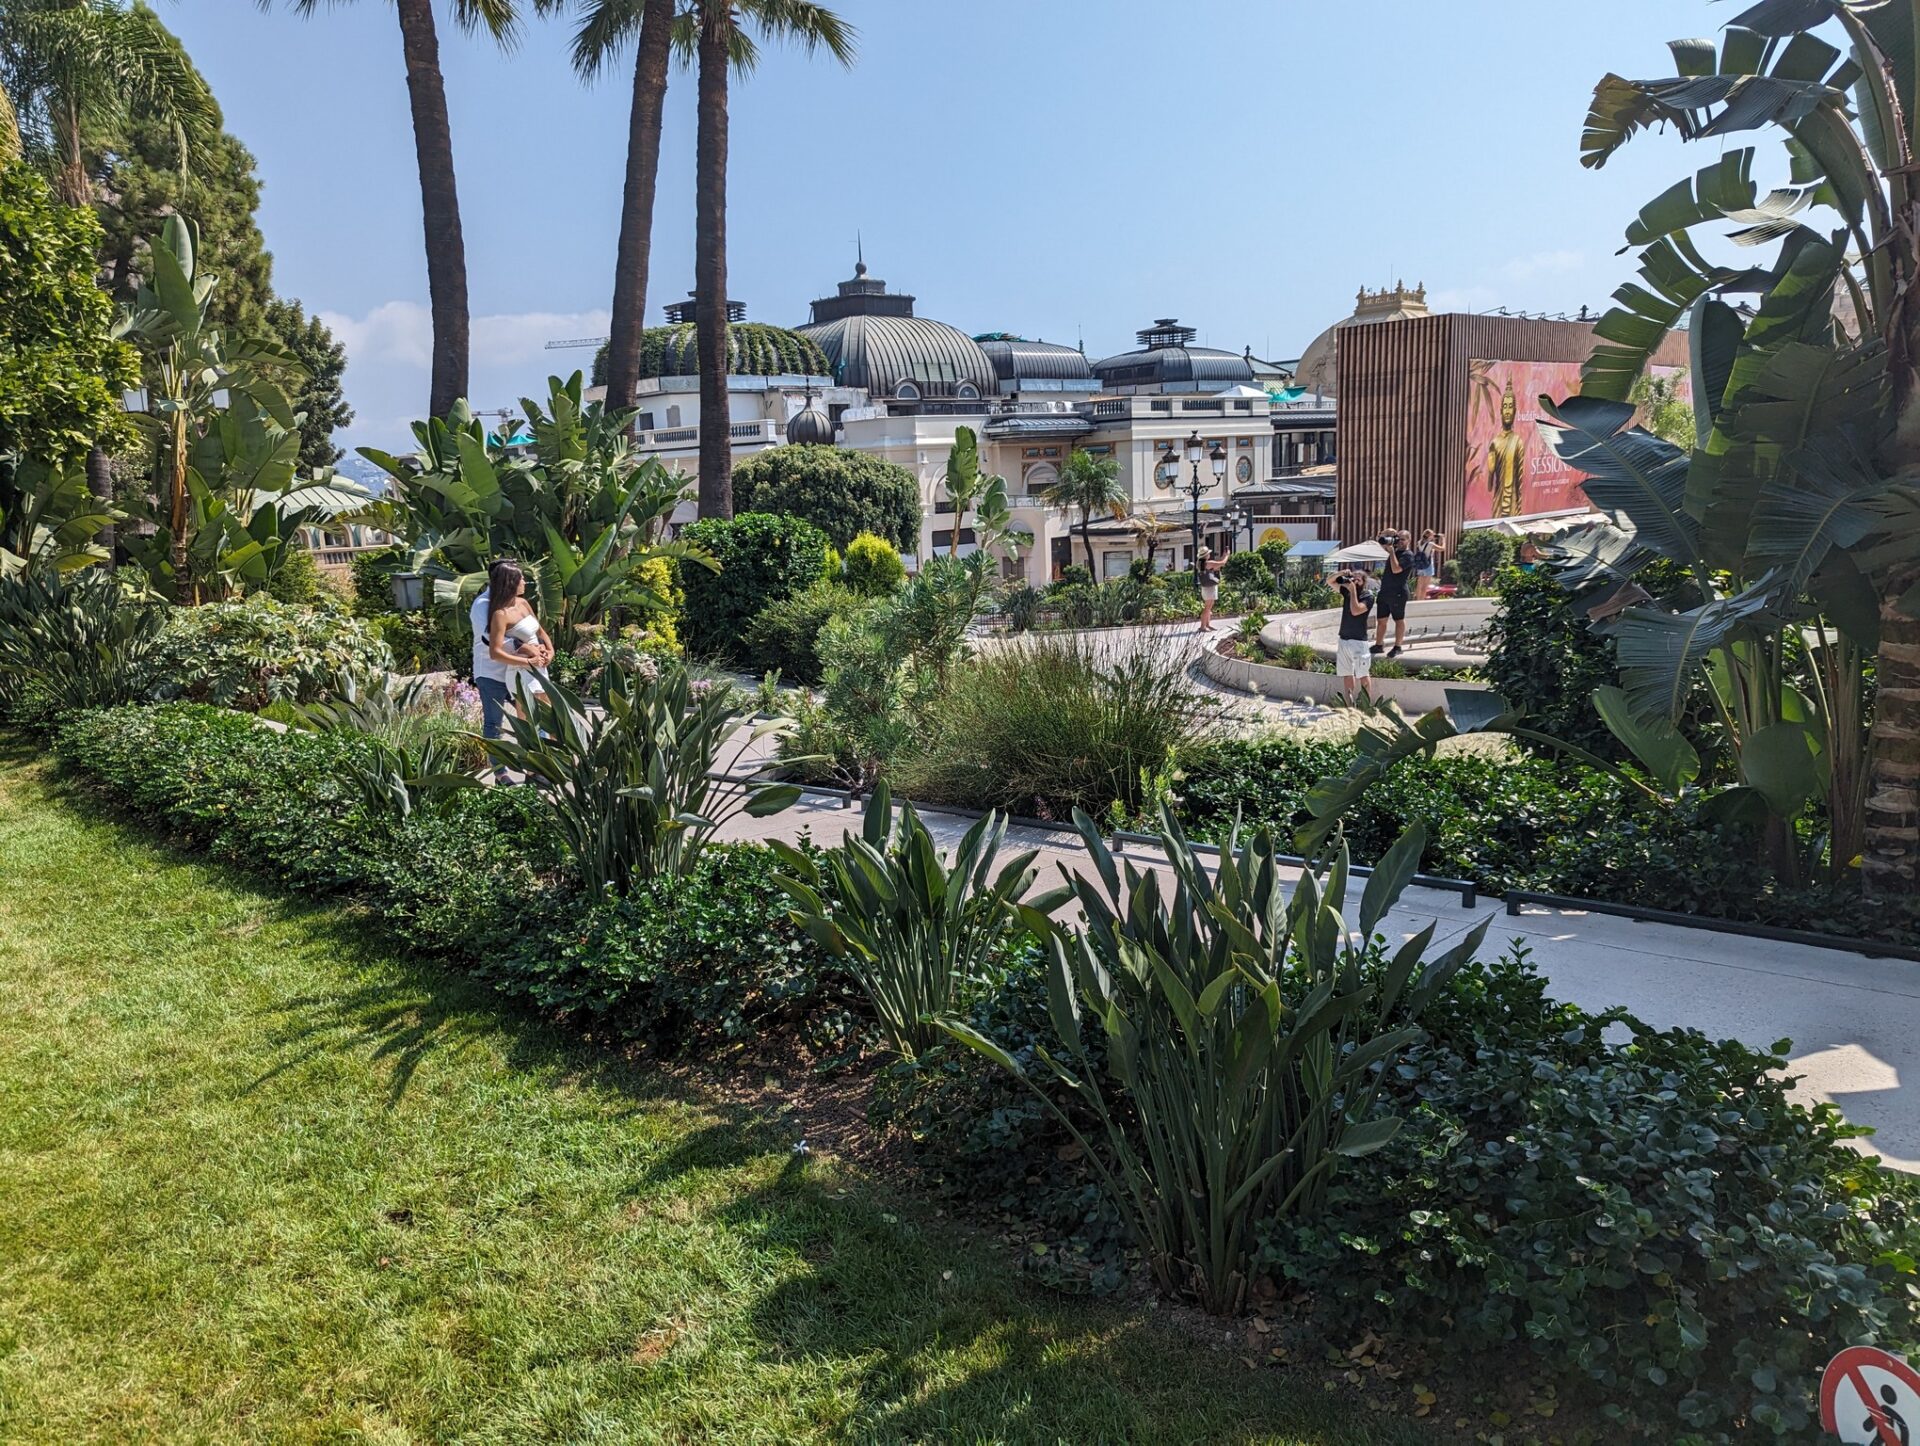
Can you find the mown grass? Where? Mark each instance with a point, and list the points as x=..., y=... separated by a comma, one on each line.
x=262, y=1180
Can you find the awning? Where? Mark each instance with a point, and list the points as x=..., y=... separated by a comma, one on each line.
x=1359, y=552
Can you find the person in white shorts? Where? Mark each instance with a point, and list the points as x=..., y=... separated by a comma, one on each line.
x=1352, y=659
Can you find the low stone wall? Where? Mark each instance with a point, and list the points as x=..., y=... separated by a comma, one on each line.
x=1413, y=695
x=1433, y=630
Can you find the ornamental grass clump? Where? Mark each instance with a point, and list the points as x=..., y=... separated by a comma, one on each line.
x=627, y=773
x=68, y=643
x=913, y=931
x=1245, y=1037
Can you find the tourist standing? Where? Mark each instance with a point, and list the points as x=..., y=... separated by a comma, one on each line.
x=509, y=645
x=1352, y=663
x=1208, y=577
x=1395, y=579
x=1426, y=562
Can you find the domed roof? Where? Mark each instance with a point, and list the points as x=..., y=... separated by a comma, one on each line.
x=810, y=427
x=873, y=341
x=1015, y=359
x=1319, y=368
x=753, y=350
x=1167, y=358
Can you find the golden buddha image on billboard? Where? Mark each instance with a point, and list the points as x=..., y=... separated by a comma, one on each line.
x=1511, y=470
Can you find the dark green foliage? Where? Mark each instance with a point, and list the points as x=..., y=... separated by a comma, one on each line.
x=1273, y=553
x=317, y=395
x=1529, y=822
x=1074, y=574
x=1246, y=571
x=673, y=960
x=72, y=641
x=61, y=375
x=296, y=579
x=1657, y=1215
x=1052, y=723
x=1544, y=658
x=1481, y=554
x=842, y=493
x=429, y=642
x=763, y=559
x=783, y=636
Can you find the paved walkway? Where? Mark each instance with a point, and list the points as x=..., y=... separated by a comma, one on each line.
x=1854, y=1021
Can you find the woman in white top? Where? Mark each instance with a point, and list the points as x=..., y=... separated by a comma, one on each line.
x=509, y=645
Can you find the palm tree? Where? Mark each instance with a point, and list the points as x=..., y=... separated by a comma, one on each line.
x=605, y=28
x=71, y=68
x=1150, y=528
x=1093, y=485
x=439, y=196
x=716, y=40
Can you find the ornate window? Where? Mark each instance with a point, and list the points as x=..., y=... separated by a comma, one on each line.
x=967, y=392
x=907, y=392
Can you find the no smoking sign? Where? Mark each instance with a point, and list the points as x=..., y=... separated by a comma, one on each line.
x=1870, y=1398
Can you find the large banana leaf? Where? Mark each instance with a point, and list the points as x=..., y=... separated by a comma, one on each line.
x=1637, y=478
x=1661, y=653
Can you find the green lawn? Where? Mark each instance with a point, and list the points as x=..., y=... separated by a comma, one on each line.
x=264, y=1181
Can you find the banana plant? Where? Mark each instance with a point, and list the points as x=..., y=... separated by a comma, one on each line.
x=1246, y=1032
x=1796, y=511
x=49, y=518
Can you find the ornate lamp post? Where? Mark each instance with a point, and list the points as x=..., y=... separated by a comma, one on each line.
x=1196, y=488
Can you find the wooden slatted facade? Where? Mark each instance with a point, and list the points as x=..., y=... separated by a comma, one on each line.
x=1403, y=411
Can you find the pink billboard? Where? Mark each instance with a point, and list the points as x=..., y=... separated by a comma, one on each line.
x=1511, y=471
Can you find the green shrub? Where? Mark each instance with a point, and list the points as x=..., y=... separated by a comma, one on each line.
x=1246, y=571
x=248, y=653
x=1248, y=1040
x=372, y=578
x=872, y=566
x=1021, y=606
x=426, y=642
x=1656, y=1214
x=913, y=927
x=1544, y=658
x=1052, y=723
x=1299, y=656
x=297, y=578
x=1481, y=555
x=763, y=560
x=1385, y=667
x=785, y=635
x=68, y=643
x=1273, y=552
x=675, y=960
x=842, y=493
x=1073, y=575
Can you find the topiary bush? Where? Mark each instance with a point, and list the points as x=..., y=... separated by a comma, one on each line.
x=1482, y=553
x=1247, y=572
x=872, y=567
x=255, y=651
x=1544, y=658
x=842, y=493
x=763, y=560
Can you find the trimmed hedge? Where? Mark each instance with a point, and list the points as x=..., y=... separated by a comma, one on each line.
x=481, y=883
x=763, y=560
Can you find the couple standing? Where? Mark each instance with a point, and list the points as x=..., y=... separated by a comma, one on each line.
x=511, y=650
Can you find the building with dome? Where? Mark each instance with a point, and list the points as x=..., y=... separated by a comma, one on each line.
x=1167, y=361
x=1318, y=371
x=873, y=341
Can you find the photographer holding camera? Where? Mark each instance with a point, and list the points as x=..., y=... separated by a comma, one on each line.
x=1394, y=583
x=1352, y=662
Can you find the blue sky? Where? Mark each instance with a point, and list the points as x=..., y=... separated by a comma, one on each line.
x=1056, y=168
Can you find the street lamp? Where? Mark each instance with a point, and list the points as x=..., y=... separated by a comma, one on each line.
x=1196, y=488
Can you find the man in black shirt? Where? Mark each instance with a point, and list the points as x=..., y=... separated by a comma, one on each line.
x=1393, y=592
x=1351, y=660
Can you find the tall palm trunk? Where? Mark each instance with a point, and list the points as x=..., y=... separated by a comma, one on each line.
x=1086, y=539
x=636, y=210
x=1891, y=862
x=439, y=205
x=710, y=265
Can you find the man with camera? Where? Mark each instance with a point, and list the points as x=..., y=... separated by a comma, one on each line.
x=1393, y=591
x=1351, y=660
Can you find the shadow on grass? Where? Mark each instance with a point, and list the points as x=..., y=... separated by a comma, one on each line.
x=927, y=1357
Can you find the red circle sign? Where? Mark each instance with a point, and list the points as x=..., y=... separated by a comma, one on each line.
x=1870, y=1398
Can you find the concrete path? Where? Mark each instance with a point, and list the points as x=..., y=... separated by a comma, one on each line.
x=1854, y=1021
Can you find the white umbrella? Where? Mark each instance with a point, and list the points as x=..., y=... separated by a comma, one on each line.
x=1359, y=552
